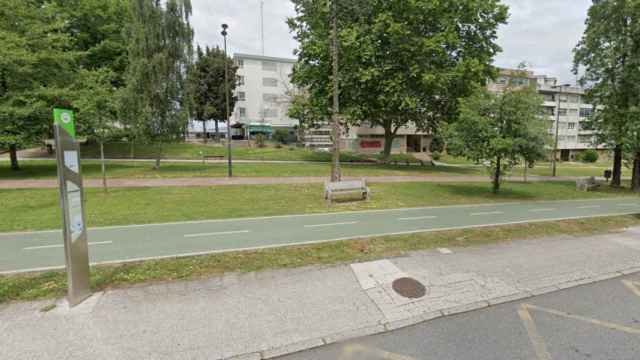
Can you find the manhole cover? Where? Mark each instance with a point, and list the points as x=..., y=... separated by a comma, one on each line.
x=409, y=288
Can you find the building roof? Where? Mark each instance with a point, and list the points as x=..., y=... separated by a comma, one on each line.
x=264, y=58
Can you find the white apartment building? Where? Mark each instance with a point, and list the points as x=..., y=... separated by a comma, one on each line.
x=263, y=94
x=567, y=101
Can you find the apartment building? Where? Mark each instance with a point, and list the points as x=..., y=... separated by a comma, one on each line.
x=566, y=101
x=263, y=94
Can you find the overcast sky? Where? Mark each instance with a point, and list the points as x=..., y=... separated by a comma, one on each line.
x=541, y=32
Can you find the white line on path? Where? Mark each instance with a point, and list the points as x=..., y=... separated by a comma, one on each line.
x=217, y=233
x=59, y=246
x=589, y=207
x=418, y=218
x=334, y=224
x=487, y=213
x=445, y=251
x=628, y=205
x=542, y=210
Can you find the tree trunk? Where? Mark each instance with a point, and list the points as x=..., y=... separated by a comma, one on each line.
x=132, y=153
x=217, y=135
x=496, y=176
x=616, y=181
x=335, y=166
x=158, y=157
x=104, y=168
x=13, y=154
x=204, y=131
x=526, y=170
x=389, y=136
x=635, y=180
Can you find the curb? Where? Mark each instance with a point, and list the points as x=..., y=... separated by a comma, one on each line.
x=389, y=326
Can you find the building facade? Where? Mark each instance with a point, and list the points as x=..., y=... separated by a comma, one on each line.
x=574, y=137
x=263, y=94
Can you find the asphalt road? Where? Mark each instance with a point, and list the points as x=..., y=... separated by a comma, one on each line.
x=598, y=321
x=44, y=250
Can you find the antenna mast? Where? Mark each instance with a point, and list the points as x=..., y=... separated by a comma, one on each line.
x=262, y=25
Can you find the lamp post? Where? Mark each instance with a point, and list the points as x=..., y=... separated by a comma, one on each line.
x=226, y=94
x=555, y=144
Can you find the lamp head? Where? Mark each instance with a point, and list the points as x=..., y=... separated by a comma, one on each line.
x=224, y=29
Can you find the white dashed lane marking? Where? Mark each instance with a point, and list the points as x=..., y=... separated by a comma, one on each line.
x=487, y=213
x=217, y=233
x=61, y=245
x=542, y=210
x=334, y=224
x=589, y=207
x=445, y=251
x=418, y=218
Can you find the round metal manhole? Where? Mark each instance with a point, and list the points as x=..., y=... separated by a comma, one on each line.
x=409, y=288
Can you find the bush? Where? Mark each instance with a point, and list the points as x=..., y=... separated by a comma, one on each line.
x=260, y=139
x=281, y=136
x=590, y=156
x=436, y=155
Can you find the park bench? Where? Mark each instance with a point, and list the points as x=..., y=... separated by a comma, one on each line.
x=587, y=184
x=211, y=157
x=331, y=189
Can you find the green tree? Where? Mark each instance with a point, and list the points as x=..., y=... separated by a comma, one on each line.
x=36, y=66
x=609, y=53
x=401, y=62
x=206, y=83
x=156, y=102
x=498, y=129
x=97, y=104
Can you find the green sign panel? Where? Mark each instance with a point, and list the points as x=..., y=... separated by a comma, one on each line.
x=65, y=119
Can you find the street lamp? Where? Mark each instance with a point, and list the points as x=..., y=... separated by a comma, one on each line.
x=226, y=94
x=555, y=145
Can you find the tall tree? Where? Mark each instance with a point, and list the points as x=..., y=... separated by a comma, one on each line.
x=36, y=65
x=207, y=87
x=609, y=53
x=401, y=62
x=498, y=129
x=156, y=104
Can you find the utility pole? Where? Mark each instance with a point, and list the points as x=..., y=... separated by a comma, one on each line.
x=335, y=166
x=226, y=94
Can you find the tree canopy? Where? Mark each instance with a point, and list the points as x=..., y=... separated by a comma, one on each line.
x=499, y=129
x=401, y=62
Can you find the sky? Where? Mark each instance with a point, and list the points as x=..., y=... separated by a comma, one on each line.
x=541, y=33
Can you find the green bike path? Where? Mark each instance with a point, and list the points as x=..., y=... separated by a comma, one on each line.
x=21, y=252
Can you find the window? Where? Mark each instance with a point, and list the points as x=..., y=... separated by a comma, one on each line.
x=548, y=110
x=564, y=98
x=240, y=63
x=240, y=80
x=563, y=112
x=271, y=98
x=242, y=96
x=270, y=113
x=585, y=139
x=270, y=82
x=243, y=112
x=269, y=66
x=520, y=82
x=549, y=97
x=586, y=113
x=502, y=80
x=571, y=126
x=572, y=112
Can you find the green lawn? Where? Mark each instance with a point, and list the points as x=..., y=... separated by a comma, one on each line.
x=195, y=150
x=38, y=209
x=46, y=169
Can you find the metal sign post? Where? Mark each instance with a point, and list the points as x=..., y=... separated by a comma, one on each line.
x=72, y=203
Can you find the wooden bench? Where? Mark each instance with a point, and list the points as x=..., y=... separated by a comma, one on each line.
x=331, y=189
x=211, y=157
x=587, y=184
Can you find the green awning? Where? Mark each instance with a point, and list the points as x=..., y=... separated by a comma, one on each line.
x=262, y=128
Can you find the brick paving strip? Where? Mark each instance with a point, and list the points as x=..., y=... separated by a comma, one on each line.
x=203, y=182
x=268, y=314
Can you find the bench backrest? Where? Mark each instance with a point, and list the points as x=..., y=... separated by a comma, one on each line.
x=345, y=185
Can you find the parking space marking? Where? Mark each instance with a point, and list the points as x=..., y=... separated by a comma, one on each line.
x=350, y=351
x=487, y=213
x=217, y=233
x=418, y=218
x=633, y=286
x=334, y=224
x=537, y=341
x=62, y=245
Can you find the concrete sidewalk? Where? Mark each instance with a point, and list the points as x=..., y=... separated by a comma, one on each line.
x=264, y=315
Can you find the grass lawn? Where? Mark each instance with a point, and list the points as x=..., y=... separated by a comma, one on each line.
x=53, y=284
x=193, y=151
x=38, y=209
x=46, y=169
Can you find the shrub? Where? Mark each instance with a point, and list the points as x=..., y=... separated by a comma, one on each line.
x=590, y=156
x=281, y=136
x=260, y=139
x=436, y=155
